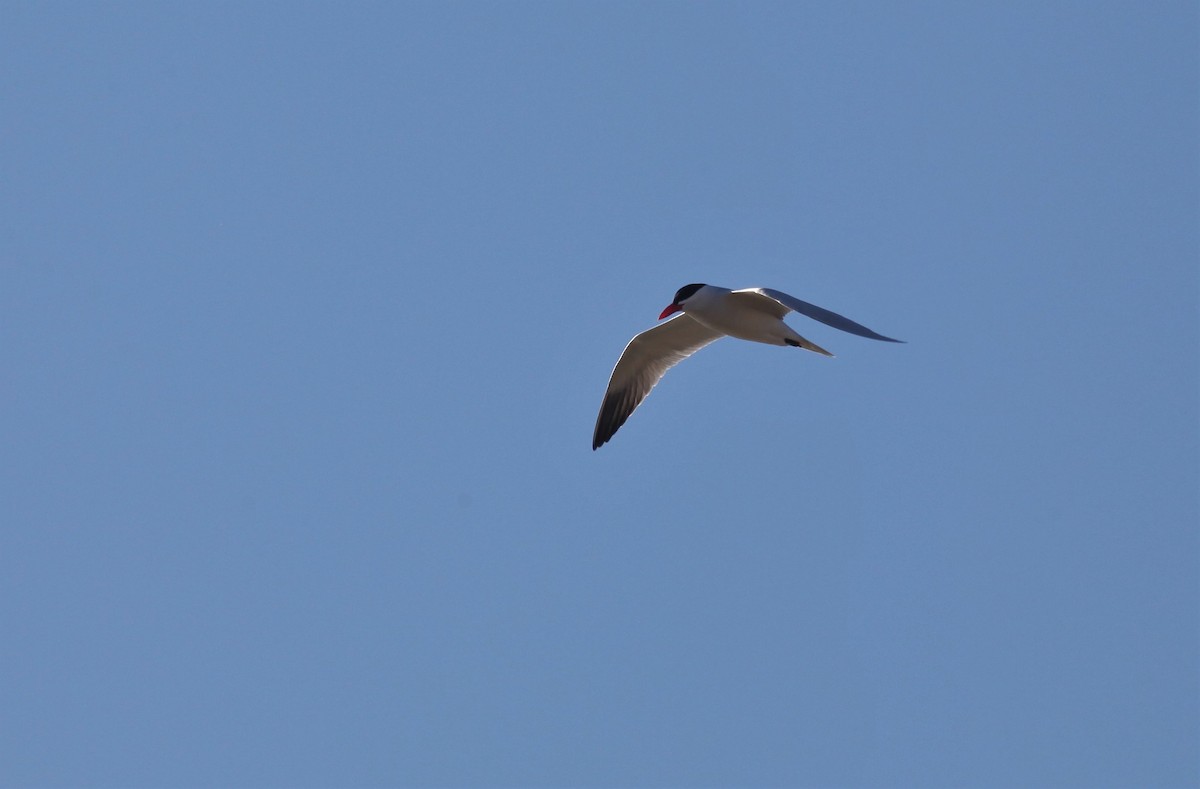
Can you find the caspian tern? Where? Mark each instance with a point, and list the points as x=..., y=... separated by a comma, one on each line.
x=707, y=313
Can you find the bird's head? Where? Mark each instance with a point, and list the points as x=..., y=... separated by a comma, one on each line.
x=681, y=298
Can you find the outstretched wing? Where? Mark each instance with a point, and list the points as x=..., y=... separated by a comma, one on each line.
x=643, y=363
x=821, y=314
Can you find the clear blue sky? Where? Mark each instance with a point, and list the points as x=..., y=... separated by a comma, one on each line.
x=306, y=311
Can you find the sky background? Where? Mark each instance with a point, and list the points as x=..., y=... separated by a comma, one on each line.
x=307, y=309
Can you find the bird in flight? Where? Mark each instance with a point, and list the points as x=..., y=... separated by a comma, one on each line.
x=706, y=313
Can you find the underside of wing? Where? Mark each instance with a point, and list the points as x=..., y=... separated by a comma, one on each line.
x=642, y=364
x=828, y=317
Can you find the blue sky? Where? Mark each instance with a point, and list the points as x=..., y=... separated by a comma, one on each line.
x=306, y=311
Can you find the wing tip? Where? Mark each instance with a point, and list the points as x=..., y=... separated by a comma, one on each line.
x=600, y=438
x=607, y=424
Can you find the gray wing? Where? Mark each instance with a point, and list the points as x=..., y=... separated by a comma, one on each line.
x=821, y=314
x=643, y=363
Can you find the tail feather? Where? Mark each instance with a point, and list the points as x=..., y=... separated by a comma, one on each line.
x=807, y=345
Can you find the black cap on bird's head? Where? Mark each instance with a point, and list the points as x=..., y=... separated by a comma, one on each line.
x=681, y=295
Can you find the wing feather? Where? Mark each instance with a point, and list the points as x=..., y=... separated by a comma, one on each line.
x=642, y=365
x=828, y=317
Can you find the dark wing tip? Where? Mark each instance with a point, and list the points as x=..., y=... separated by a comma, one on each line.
x=615, y=410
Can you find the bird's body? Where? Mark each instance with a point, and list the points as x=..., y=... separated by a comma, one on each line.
x=708, y=313
x=746, y=315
